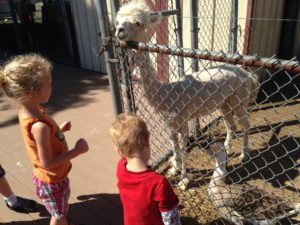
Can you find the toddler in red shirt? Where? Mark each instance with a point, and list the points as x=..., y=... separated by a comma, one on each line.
x=147, y=197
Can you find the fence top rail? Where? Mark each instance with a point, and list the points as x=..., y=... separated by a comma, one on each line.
x=273, y=62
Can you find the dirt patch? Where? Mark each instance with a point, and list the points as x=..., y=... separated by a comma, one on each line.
x=274, y=141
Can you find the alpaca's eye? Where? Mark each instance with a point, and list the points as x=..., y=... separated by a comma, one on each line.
x=138, y=23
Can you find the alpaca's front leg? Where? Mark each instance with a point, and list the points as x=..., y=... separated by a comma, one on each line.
x=228, y=140
x=230, y=128
x=175, y=159
x=244, y=122
x=245, y=156
x=178, y=160
x=183, y=139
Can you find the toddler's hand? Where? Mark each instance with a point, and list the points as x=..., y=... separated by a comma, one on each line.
x=65, y=126
x=81, y=146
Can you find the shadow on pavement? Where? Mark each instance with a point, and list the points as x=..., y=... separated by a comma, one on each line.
x=93, y=209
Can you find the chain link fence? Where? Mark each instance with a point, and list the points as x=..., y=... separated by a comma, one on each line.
x=263, y=188
x=274, y=137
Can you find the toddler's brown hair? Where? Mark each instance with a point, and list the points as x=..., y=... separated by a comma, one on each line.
x=129, y=133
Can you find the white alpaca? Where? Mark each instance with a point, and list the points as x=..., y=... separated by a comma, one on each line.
x=227, y=88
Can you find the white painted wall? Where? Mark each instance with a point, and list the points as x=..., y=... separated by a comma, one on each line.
x=87, y=29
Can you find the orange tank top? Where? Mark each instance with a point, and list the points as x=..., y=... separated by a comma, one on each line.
x=58, y=144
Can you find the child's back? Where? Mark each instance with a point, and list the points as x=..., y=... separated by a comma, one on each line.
x=147, y=197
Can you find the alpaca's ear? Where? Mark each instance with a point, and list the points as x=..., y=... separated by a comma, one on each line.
x=153, y=20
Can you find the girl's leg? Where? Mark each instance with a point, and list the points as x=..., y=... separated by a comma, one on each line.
x=55, y=197
x=60, y=221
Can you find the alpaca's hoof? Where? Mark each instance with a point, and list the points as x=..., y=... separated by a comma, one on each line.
x=228, y=150
x=244, y=157
x=183, y=184
x=173, y=171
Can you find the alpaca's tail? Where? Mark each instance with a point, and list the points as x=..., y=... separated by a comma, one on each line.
x=250, y=87
x=253, y=88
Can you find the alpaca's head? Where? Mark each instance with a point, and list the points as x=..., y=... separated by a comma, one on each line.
x=133, y=20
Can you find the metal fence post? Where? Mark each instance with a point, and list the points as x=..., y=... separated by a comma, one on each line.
x=213, y=25
x=179, y=37
x=234, y=26
x=129, y=104
x=102, y=12
x=115, y=7
x=195, y=130
x=127, y=79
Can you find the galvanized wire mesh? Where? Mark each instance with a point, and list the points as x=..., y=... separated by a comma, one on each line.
x=274, y=119
x=211, y=26
x=263, y=188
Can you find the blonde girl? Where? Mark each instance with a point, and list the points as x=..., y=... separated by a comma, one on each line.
x=27, y=80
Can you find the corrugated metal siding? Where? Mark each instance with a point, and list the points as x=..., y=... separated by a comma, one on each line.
x=87, y=30
x=296, y=47
x=266, y=29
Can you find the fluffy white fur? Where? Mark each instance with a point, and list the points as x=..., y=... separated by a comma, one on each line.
x=227, y=88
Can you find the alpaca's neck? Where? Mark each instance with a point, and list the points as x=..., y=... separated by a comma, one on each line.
x=147, y=72
x=143, y=61
x=154, y=90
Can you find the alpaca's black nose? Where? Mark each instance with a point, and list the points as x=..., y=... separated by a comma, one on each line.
x=120, y=33
x=120, y=30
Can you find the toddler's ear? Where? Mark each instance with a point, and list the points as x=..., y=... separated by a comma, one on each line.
x=147, y=141
x=118, y=151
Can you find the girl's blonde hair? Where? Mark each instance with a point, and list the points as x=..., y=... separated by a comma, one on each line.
x=23, y=75
x=129, y=133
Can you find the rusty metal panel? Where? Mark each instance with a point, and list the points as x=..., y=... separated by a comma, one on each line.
x=87, y=30
x=296, y=48
x=266, y=29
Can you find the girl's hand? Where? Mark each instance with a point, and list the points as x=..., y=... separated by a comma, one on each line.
x=81, y=146
x=65, y=126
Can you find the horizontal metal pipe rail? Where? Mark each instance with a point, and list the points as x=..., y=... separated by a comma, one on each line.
x=245, y=60
x=166, y=12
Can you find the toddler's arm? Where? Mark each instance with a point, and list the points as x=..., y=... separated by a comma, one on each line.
x=167, y=202
x=171, y=217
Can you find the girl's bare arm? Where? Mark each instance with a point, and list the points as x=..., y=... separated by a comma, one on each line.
x=41, y=134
